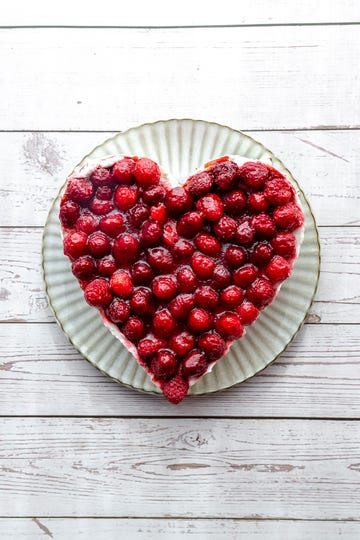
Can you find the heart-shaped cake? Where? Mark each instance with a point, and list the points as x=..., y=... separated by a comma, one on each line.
x=178, y=271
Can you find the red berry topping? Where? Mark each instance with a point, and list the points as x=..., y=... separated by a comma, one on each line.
x=160, y=259
x=75, y=244
x=83, y=267
x=151, y=233
x=69, y=213
x=164, y=365
x=121, y=284
x=253, y=174
x=178, y=200
x=199, y=320
x=278, y=191
x=257, y=203
x=123, y=171
x=164, y=287
x=289, y=217
x=235, y=256
x=182, y=249
x=210, y=207
x=98, y=293
x=248, y=313
x=229, y=326
x=101, y=177
x=176, y=389
x=140, y=302
x=194, y=364
x=147, y=172
x=98, y=245
x=141, y=273
x=101, y=208
x=190, y=224
x=278, y=269
x=80, y=190
x=125, y=197
x=158, y=213
x=199, y=184
x=87, y=223
x=245, y=275
x=153, y=195
x=284, y=244
x=221, y=276
x=202, y=265
x=186, y=279
x=118, y=311
x=225, y=228
x=134, y=329
x=147, y=347
x=206, y=297
x=208, y=244
x=164, y=324
x=263, y=225
x=106, y=266
x=138, y=214
x=112, y=225
x=244, y=233
x=181, y=306
x=182, y=343
x=126, y=249
x=260, y=292
x=213, y=345
x=170, y=235
x=261, y=254
x=225, y=174
x=104, y=193
x=234, y=202
x=232, y=296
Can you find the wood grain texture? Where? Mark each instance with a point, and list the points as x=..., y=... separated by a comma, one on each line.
x=317, y=376
x=271, y=77
x=23, y=299
x=174, y=529
x=316, y=158
x=158, y=468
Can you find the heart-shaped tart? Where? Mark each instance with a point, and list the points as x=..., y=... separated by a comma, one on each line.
x=178, y=271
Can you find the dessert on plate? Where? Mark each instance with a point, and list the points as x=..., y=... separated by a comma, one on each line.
x=178, y=271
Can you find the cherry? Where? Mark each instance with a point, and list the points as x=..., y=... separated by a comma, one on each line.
x=80, y=190
x=125, y=249
x=210, y=207
x=278, y=191
x=106, y=266
x=182, y=343
x=101, y=208
x=101, y=176
x=134, y=329
x=180, y=306
x=199, y=184
x=213, y=345
x=118, y=311
x=123, y=170
x=202, y=265
x=98, y=293
x=153, y=195
x=160, y=259
x=98, y=244
x=147, y=172
x=260, y=292
x=263, y=225
x=138, y=214
x=208, y=244
x=121, y=283
x=140, y=302
x=164, y=365
x=189, y=224
x=234, y=202
x=75, y=244
x=261, y=253
x=147, y=347
x=69, y=213
x=87, y=223
x=151, y=233
x=141, y=273
x=257, y=203
x=278, y=269
x=177, y=200
x=182, y=249
x=225, y=228
x=199, y=320
x=235, y=256
x=221, y=276
x=125, y=197
x=225, y=174
x=112, y=225
x=229, y=326
x=232, y=296
x=83, y=267
x=164, y=324
x=248, y=313
x=284, y=244
x=104, y=193
x=194, y=364
x=245, y=275
x=164, y=287
x=288, y=217
x=253, y=174
x=245, y=233
x=186, y=279
x=206, y=297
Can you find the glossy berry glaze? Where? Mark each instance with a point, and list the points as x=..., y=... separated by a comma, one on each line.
x=177, y=272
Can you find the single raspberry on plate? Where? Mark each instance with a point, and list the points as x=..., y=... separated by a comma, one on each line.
x=75, y=244
x=80, y=190
x=253, y=174
x=176, y=389
x=194, y=364
x=98, y=293
x=164, y=365
x=260, y=292
x=213, y=345
x=118, y=311
x=248, y=313
x=123, y=171
x=69, y=213
x=278, y=269
x=147, y=172
x=121, y=284
x=210, y=207
x=101, y=176
x=199, y=184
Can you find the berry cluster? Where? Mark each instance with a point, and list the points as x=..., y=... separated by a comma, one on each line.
x=180, y=271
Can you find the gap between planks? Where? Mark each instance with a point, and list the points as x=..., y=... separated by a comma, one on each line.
x=185, y=26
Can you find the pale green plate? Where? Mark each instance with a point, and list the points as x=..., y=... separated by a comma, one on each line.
x=181, y=146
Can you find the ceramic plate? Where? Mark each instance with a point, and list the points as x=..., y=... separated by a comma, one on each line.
x=180, y=146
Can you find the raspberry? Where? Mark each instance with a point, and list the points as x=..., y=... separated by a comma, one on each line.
x=141, y=273
x=123, y=170
x=177, y=200
x=87, y=223
x=158, y=213
x=288, y=217
x=284, y=244
x=206, y=297
x=151, y=233
x=164, y=365
x=118, y=311
x=190, y=224
x=83, y=267
x=182, y=249
x=138, y=214
x=140, y=302
x=211, y=207
x=261, y=253
x=112, y=225
x=260, y=292
x=80, y=190
x=134, y=329
x=186, y=279
x=164, y=287
x=257, y=203
x=182, y=343
x=253, y=174
x=221, y=276
x=147, y=347
x=125, y=197
x=263, y=225
x=101, y=177
x=160, y=259
x=69, y=213
x=98, y=293
x=235, y=256
x=98, y=244
x=194, y=364
x=244, y=233
x=208, y=244
x=225, y=228
x=153, y=195
x=104, y=193
x=199, y=184
x=170, y=235
x=278, y=191
x=245, y=275
x=199, y=320
x=121, y=284
x=248, y=313
x=229, y=326
x=202, y=265
x=213, y=345
x=106, y=266
x=164, y=324
x=125, y=249
x=232, y=296
x=147, y=172
x=225, y=174
x=234, y=202
x=278, y=269
x=176, y=389
x=75, y=244
x=181, y=306
x=101, y=208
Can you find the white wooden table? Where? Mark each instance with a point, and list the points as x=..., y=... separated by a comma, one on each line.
x=275, y=458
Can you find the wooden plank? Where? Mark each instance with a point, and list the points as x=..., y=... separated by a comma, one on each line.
x=325, y=162
x=304, y=74
x=23, y=297
x=220, y=468
x=160, y=14
x=317, y=376
x=174, y=529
